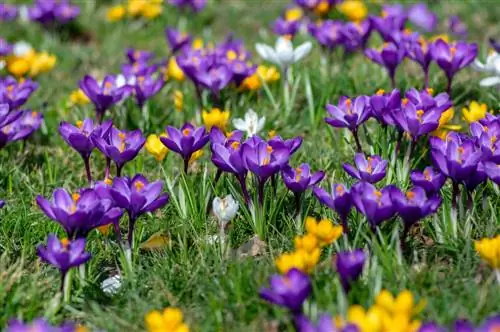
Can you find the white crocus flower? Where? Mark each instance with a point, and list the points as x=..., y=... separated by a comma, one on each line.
x=251, y=124
x=21, y=48
x=224, y=209
x=491, y=66
x=283, y=54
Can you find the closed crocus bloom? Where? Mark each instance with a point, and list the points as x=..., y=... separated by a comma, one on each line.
x=354, y=10
x=78, y=213
x=155, y=147
x=121, y=147
x=328, y=33
x=429, y=179
x=284, y=27
x=452, y=58
x=356, y=35
x=215, y=118
x=225, y=209
x=389, y=56
x=300, y=179
x=457, y=157
x=146, y=87
x=115, y=13
x=174, y=71
x=383, y=106
x=338, y=199
x=492, y=170
x=413, y=205
x=171, y=319
x=289, y=291
x=79, y=137
x=251, y=123
x=474, y=112
x=185, y=141
x=63, y=254
x=349, y=265
x=324, y=230
x=370, y=169
x=376, y=205
x=176, y=39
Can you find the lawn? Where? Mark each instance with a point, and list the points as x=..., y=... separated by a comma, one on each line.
x=217, y=286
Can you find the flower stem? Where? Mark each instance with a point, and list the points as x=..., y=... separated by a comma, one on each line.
x=244, y=190
x=426, y=77
x=87, y=170
x=130, y=235
x=448, y=88
x=298, y=196
x=345, y=225
x=455, y=193
x=66, y=286
x=186, y=165
x=119, y=170
x=497, y=274
x=108, y=167
x=260, y=192
x=356, y=139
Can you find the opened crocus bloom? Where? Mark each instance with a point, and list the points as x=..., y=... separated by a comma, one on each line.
x=63, y=254
x=283, y=54
x=349, y=265
x=370, y=169
x=338, y=199
x=376, y=205
x=429, y=179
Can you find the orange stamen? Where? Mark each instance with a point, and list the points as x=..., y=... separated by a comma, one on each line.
x=186, y=131
x=235, y=145
x=79, y=124
x=410, y=195
x=65, y=243
x=139, y=185
x=380, y=92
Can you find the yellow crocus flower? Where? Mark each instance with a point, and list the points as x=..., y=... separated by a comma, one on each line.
x=115, y=13
x=215, y=118
x=354, y=10
x=293, y=14
x=174, y=71
x=324, y=230
x=78, y=97
x=135, y=7
x=322, y=8
x=489, y=250
x=444, y=128
x=155, y=147
x=195, y=156
x=42, y=63
x=18, y=67
x=307, y=242
x=288, y=261
x=475, y=112
x=151, y=11
x=170, y=320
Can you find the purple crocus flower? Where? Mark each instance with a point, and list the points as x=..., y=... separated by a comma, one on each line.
x=289, y=291
x=137, y=196
x=79, y=137
x=78, y=213
x=492, y=170
x=325, y=324
x=431, y=327
x=25, y=125
x=185, y=141
x=51, y=11
x=384, y=106
x=349, y=265
x=16, y=93
x=390, y=56
x=457, y=157
x=487, y=139
x=356, y=35
x=457, y=26
x=214, y=78
x=141, y=56
x=300, y=179
x=338, y=199
x=491, y=324
x=38, y=325
x=390, y=25
x=240, y=70
x=417, y=122
x=420, y=15
x=195, y=5
x=477, y=177
x=191, y=62
x=350, y=113
x=5, y=48
x=176, y=40
x=63, y=254
x=413, y=206
x=264, y=160
x=370, y=169
x=376, y=205
x=103, y=95
x=283, y=27
x=66, y=12
x=328, y=33
x=463, y=325
x=453, y=57
x=293, y=144
x=419, y=50
x=146, y=87
x=8, y=12
x=425, y=101
x=430, y=180
x=122, y=146
x=6, y=118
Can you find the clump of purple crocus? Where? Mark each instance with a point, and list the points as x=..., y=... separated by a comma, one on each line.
x=38, y=325
x=328, y=33
x=18, y=125
x=80, y=138
x=389, y=56
x=289, y=290
x=370, y=169
x=63, y=254
x=121, y=146
x=78, y=213
x=376, y=205
x=8, y=12
x=356, y=35
x=453, y=57
x=349, y=265
x=185, y=141
x=350, y=114
x=338, y=199
x=137, y=196
x=299, y=179
x=16, y=93
x=103, y=94
x=49, y=12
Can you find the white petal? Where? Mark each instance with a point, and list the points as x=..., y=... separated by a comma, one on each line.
x=111, y=285
x=284, y=51
x=267, y=53
x=21, y=48
x=120, y=81
x=490, y=81
x=240, y=124
x=261, y=123
x=251, y=116
x=301, y=51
